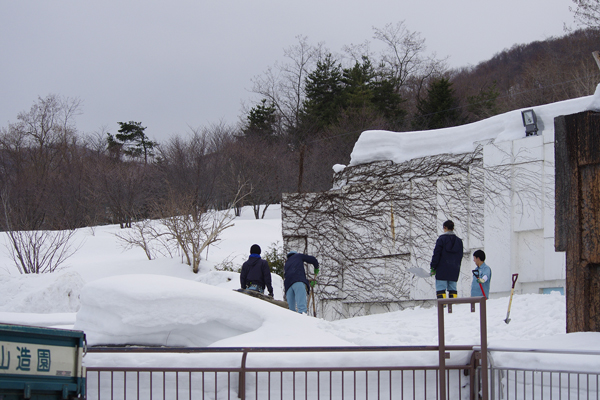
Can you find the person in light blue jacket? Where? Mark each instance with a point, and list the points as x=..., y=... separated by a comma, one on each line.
x=482, y=276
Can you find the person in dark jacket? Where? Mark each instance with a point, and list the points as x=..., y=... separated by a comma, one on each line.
x=295, y=283
x=445, y=263
x=256, y=274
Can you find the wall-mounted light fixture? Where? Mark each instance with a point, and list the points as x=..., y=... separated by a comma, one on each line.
x=529, y=122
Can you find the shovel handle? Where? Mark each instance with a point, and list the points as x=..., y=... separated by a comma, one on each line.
x=514, y=279
x=482, y=292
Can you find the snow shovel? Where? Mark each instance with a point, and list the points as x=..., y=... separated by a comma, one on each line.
x=476, y=275
x=420, y=272
x=512, y=291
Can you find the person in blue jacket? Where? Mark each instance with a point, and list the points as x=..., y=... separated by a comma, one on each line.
x=481, y=275
x=445, y=263
x=295, y=283
x=256, y=274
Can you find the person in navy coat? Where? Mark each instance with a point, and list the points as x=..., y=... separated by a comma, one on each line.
x=256, y=274
x=445, y=263
x=295, y=283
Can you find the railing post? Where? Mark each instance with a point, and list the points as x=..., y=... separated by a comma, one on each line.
x=242, y=376
x=442, y=350
x=484, y=349
x=442, y=342
x=472, y=371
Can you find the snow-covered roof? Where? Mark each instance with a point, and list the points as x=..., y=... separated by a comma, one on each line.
x=377, y=145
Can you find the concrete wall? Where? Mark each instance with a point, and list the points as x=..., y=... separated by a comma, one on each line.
x=501, y=198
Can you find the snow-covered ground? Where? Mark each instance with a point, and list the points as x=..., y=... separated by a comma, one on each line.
x=120, y=297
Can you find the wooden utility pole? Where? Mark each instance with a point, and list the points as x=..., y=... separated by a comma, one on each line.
x=577, y=218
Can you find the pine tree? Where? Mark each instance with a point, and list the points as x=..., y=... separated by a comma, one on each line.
x=484, y=104
x=358, y=91
x=439, y=109
x=132, y=140
x=323, y=93
x=261, y=120
x=388, y=101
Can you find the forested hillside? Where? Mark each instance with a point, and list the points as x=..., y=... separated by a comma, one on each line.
x=313, y=106
x=528, y=75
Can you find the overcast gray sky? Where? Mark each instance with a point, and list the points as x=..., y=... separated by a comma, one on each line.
x=181, y=63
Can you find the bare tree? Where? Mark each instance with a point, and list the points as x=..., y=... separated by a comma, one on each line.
x=146, y=235
x=586, y=13
x=263, y=167
x=36, y=251
x=193, y=228
x=404, y=59
x=40, y=154
x=283, y=84
x=125, y=187
x=194, y=166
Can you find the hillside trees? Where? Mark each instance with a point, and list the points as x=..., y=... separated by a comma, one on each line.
x=322, y=104
x=40, y=153
x=127, y=189
x=260, y=165
x=193, y=167
x=483, y=104
x=531, y=74
x=340, y=103
x=260, y=160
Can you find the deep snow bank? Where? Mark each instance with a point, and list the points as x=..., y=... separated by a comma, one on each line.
x=166, y=311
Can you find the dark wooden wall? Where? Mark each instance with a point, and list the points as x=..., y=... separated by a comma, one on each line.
x=577, y=158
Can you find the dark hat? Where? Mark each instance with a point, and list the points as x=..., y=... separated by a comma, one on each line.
x=255, y=249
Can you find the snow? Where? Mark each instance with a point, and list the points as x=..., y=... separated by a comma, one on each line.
x=402, y=146
x=595, y=104
x=117, y=296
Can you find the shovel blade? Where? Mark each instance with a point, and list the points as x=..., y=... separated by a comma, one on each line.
x=507, y=320
x=420, y=272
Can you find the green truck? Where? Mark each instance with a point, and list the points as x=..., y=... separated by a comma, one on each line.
x=41, y=363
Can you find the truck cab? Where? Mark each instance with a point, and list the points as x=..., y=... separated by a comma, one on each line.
x=41, y=363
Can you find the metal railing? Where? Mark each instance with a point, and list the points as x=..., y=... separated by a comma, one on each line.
x=280, y=380
x=562, y=378
x=373, y=382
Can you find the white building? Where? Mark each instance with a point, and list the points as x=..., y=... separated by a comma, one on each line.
x=386, y=209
